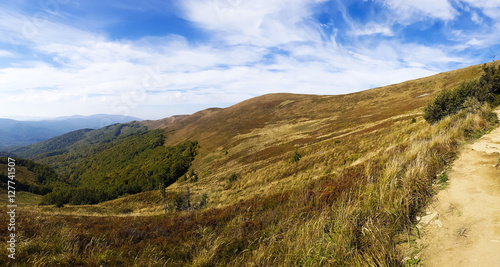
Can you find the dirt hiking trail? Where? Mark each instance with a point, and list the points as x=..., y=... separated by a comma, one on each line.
x=462, y=225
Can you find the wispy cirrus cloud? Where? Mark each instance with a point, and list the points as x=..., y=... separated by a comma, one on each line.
x=259, y=22
x=248, y=48
x=374, y=28
x=4, y=53
x=490, y=8
x=408, y=11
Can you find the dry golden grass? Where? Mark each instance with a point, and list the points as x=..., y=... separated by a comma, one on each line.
x=259, y=135
x=348, y=217
x=365, y=171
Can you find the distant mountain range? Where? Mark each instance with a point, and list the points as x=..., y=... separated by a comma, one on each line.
x=15, y=133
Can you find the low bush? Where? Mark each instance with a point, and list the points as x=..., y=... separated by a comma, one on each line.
x=468, y=95
x=232, y=178
x=449, y=102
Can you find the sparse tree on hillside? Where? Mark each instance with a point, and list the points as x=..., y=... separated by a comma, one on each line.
x=193, y=177
x=295, y=159
x=174, y=166
x=188, y=196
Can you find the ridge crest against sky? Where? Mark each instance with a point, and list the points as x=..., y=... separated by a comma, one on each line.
x=153, y=59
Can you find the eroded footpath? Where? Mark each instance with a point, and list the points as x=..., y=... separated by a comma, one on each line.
x=463, y=222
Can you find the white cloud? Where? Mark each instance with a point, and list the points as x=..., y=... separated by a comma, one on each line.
x=4, y=53
x=476, y=18
x=490, y=8
x=430, y=56
x=483, y=37
x=260, y=22
x=373, y=28
x=408, y=10
x=475, y=42
x=151, y=77
x=19, y=29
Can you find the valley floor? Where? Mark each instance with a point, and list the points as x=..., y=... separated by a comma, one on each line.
x=464, y=229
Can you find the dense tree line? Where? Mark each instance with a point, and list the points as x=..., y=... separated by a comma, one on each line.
x=128, y=165
x=466, y=95
x=92, y=166
x=44, y=176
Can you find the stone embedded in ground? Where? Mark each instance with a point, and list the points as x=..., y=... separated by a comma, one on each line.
x=428, y=218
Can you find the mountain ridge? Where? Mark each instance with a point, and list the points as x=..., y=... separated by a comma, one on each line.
x=15, y=133
x=215, y=127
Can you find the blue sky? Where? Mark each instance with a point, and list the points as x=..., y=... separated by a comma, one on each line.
x=153, y=59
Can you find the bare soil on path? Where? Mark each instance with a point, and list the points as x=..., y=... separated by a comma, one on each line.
x=463, y=222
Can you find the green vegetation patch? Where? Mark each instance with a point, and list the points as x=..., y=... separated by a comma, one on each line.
x=30, y=176
x=468, y=95
x=128, y=165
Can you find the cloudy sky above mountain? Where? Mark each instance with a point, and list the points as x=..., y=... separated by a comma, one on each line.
x=156, y=58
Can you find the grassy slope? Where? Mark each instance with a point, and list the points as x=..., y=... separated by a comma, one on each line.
x=261, y=134
x=365, y=171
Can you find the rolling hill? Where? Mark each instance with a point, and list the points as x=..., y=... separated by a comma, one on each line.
x=368, y=165
x=262, y=131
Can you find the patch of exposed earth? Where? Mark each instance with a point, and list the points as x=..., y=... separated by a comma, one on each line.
x=462, y=225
